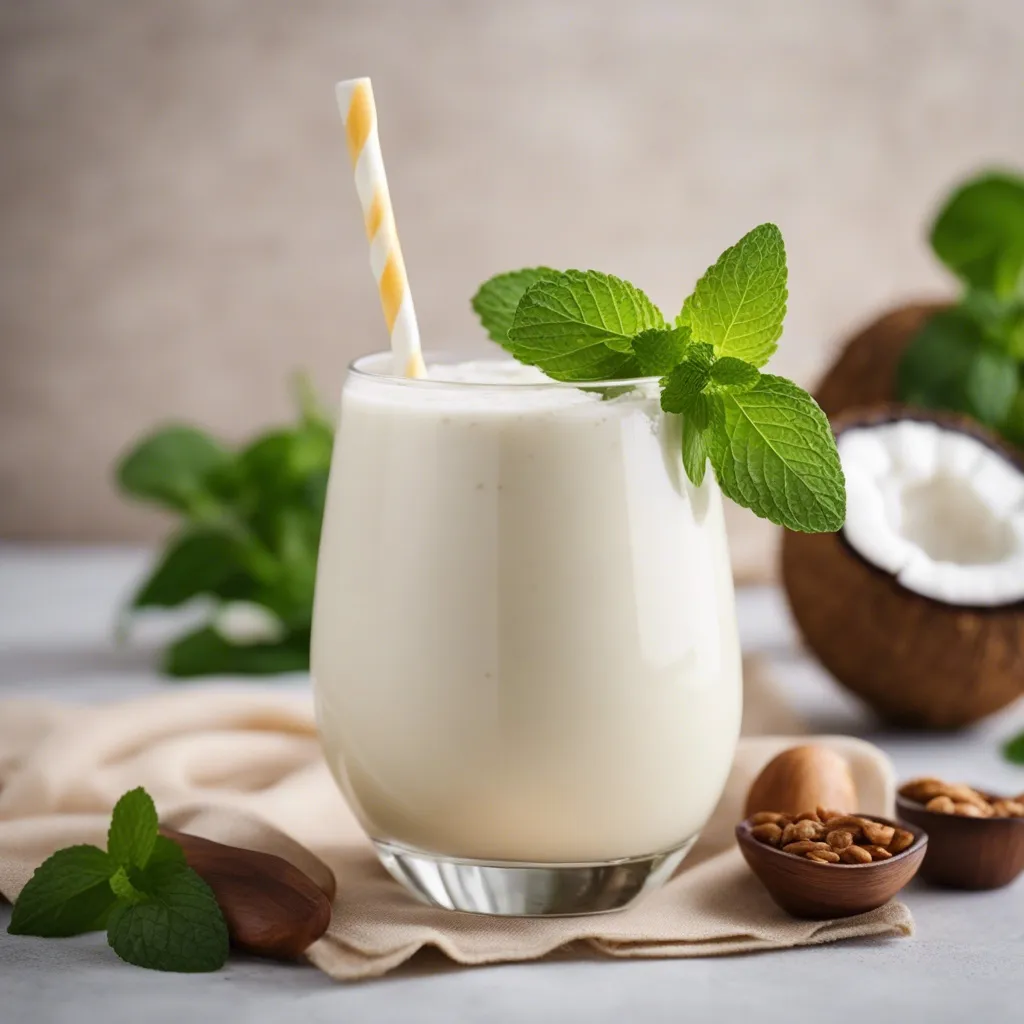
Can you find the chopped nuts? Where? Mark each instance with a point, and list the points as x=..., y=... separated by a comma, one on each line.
x=828, y=837
x=947, y=798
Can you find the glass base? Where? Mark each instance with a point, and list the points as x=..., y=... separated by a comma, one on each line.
x=522, y=889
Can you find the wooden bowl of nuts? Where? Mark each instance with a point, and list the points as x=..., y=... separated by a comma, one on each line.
x=824, y=864
x=977, y=838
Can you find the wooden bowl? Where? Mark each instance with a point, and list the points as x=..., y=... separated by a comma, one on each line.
x=967, y=853
x=825, y=891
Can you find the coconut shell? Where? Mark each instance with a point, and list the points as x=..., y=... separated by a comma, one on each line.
x=916, y=661
x=865, y=372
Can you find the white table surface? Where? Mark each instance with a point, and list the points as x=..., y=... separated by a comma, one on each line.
x=966, y=962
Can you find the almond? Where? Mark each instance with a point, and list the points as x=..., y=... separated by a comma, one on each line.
x=901, y=840
x=802, y=777
x=767, y=833
x=878, y=834
x=855, y=855
x=824, y=857
x=839, y=839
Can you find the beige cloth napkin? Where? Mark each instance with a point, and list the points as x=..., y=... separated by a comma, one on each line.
x=242, y=766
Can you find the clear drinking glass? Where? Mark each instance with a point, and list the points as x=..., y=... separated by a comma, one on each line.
x=525, y=656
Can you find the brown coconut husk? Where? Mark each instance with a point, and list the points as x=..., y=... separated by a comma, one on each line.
x=917, y=662
x=865, y=371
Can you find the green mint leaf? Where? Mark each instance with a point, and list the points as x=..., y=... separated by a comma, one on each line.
x=122, y=887
x=700, y=414
x=580, y=325
x=205, y=652
x=951, y=364
x=173, y=467
x=992, y=384
x=734, y=374
x=689, y=378
x=660, y=350
x=495, y=303
x=133, y=829
x=1012, y=427
x=177, y=927
x=979, y=233
x=774, y=453
x=740, y=302
x=1014, y=750
x=68, y=894
x=165, y=849
x=935, y=365
x=198, y=560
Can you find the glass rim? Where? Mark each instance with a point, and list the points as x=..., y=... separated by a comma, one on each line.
x=357, y=368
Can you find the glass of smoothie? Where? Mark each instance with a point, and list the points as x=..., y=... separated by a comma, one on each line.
x=525, y=654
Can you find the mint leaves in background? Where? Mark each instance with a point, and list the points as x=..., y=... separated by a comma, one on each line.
x=768, y=441
x=1014, y=750
x=157, y=911
x=970, y=358
x=250, y=532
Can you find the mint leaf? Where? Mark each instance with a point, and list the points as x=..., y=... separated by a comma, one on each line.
x=732, y=373
x=689, y=378
x=206, y=652
x=199, y=560
x=173, y=467
x=774, y=453
x=660, y=349
x=177, y=926
x=992, y=385
x=740, y=302
x=951, y=364
x=979, y=234
x=121, y=885
x=1014, y=750
x=165, y=849
x=68, y=894
x=495, y=303
x=700, y=413
x=133, y=829
x=580, y=325
x=935, y=365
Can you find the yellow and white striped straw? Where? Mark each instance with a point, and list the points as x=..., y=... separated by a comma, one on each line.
x=358, y=112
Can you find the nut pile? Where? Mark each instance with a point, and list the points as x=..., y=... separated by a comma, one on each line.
x=830, y=837
x=950, y=798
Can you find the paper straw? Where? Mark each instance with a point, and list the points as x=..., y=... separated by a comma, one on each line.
x=359, y=114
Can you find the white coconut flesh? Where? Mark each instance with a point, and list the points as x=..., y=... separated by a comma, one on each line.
x=937, y=509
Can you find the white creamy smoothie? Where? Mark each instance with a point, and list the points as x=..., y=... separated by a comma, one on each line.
x=525, y=646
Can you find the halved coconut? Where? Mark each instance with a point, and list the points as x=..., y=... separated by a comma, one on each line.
x=917, y=605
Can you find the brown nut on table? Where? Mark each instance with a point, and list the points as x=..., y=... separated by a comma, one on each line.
x=271, y=907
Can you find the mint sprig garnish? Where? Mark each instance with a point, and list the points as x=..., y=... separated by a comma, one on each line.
x=495, y=303
x=157, y=911
x=739, y=304
x=580, y=325
x=769, y=443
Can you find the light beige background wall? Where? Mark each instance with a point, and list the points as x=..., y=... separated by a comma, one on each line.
x=179, y=228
